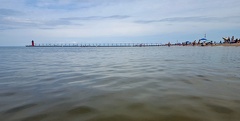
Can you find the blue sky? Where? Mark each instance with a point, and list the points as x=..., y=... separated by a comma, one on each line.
x=116, y=21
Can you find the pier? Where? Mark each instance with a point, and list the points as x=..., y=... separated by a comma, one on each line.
x=97, y=45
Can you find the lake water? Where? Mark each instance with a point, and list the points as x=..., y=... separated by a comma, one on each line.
x=120, y=84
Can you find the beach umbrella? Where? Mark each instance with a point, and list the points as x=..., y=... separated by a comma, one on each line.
x=187, y=42
x=203, y=39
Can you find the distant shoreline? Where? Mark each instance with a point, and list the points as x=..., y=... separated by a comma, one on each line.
x=134, y=45
x=218, y=44
x=224, y=44
x=227, y=44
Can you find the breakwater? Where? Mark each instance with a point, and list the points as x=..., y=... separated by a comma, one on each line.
x=98, y=45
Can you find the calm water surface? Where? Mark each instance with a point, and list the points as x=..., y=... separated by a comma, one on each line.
x=120, y=84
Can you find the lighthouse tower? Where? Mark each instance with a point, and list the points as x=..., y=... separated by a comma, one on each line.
x=32, y=43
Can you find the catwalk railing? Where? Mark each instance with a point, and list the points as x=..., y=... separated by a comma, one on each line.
x=98, y=45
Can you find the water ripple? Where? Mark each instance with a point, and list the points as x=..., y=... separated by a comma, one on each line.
x=130, y=84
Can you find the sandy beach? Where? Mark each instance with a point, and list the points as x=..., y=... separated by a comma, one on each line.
x=224, y=44
x=227, y=44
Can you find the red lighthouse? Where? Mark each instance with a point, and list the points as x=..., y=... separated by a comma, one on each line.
x=32, y=43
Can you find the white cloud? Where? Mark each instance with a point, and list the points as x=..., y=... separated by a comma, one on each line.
x=116, y=18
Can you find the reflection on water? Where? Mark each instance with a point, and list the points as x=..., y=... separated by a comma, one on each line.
x=120, y=84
